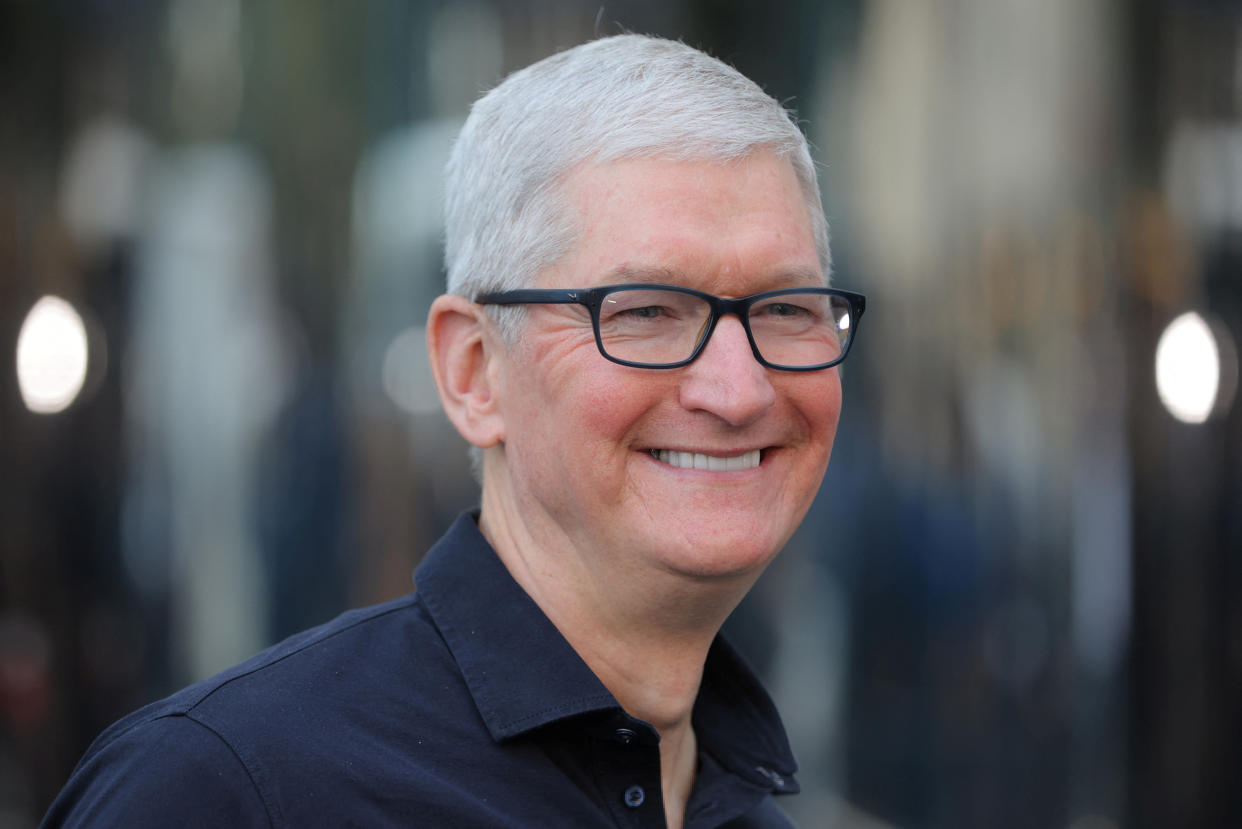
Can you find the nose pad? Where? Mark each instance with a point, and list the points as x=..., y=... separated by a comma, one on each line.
x=702, y=332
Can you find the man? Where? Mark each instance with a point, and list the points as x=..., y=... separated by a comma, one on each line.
x=640, y=347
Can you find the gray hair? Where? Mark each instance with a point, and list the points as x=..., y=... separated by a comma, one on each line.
x=623, y=97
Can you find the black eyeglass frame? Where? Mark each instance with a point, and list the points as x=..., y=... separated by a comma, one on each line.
x=593, y=299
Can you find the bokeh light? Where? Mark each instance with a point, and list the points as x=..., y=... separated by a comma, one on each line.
x=407, y=372
x=1188, y=368
x=52, y=356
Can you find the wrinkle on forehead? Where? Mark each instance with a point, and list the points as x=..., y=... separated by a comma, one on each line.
x=746, y=212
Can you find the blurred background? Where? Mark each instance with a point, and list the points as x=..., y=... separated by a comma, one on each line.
x=1018, y=598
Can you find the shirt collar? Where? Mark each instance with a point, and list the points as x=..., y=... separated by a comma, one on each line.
x=519, y=668
x=736, y=721
x=523, y=674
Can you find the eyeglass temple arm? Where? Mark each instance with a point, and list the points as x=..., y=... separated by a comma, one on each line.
x=531, y=296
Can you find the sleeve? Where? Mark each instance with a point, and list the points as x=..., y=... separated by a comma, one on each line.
x=767, y=815
x=170, y=771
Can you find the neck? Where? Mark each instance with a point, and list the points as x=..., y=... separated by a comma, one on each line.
x=645, y=633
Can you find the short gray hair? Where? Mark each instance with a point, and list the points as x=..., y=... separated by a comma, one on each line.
x=623, y=97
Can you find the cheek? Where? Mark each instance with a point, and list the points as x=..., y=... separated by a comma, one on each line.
x=830, y=403
x=609, y=408
x=820, y=406
x=569, y=429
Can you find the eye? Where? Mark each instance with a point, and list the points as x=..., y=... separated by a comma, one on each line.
x=651, y=309
x=783, y=310
x=647, y=305
x=646, y=312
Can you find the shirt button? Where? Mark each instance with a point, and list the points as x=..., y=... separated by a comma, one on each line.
x=634, y=796
x=625, y=735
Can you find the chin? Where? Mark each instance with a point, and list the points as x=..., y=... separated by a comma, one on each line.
x=723, y=555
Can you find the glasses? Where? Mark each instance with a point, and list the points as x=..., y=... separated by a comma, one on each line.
x=667, y=326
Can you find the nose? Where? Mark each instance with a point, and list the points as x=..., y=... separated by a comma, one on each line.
x=726, y=380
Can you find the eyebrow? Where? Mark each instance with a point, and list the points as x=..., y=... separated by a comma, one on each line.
x=795, y=278
x=641, y=273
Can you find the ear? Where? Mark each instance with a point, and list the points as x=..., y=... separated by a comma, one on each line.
x=464, y=355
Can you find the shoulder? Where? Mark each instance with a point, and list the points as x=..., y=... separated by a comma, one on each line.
x=286, y=726
x=163, y=771
x=359, y=651
x=371, y=634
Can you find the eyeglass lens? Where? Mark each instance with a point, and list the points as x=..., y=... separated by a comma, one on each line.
x=655, y=326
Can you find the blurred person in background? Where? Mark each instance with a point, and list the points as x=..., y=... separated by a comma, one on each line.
x=639, y=343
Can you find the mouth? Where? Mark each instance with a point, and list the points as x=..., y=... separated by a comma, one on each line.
x=711, y=463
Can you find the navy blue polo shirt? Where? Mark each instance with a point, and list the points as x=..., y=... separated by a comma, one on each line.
x=459, y=705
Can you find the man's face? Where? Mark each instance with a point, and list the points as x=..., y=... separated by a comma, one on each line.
x=582, y=434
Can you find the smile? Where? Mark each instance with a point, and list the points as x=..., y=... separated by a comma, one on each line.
x=696, y=460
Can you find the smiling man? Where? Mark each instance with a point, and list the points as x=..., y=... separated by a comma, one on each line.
x=640, y=343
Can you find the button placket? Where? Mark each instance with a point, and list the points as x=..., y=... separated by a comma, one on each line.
x=628, y=772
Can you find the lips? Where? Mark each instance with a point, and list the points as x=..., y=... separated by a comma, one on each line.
x=711, y=463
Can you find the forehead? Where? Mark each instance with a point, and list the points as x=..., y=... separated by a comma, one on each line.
x=739, y=226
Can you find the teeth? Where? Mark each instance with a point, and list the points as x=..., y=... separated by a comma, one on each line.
x=696, y=460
